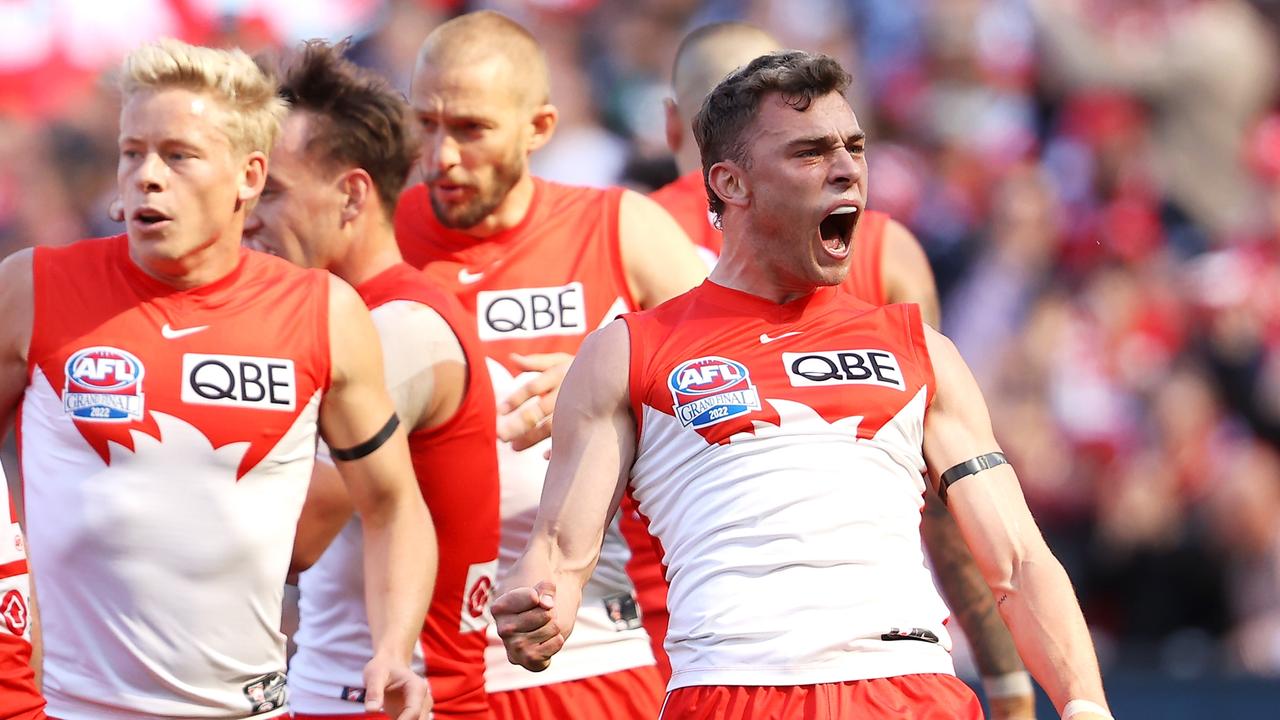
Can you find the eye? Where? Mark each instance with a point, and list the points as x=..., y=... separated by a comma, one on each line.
x=809, y=153
x=178, y=155
x=428, y=124
x=130, y=154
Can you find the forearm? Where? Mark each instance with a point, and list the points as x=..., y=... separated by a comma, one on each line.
x=400, y=559
x=1040, y=607
x=966, y=592
x=545, y=562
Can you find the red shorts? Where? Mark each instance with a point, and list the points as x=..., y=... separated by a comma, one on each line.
x=906, y=697
x=349, y=716
x=483, y=715
x=634, y=694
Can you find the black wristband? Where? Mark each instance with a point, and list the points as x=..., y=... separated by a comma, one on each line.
x=969, y=467
x=368, y=446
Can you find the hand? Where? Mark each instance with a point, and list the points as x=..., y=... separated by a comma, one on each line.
x=525, y=620
x=1016, y=707
x=392, y=687
x=525, y=415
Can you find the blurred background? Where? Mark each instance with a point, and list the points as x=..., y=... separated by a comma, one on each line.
x=1097, y=184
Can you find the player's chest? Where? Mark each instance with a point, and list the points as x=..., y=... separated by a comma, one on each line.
x=787, y=379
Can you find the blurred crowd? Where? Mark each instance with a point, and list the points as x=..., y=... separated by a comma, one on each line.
x=1097, y=185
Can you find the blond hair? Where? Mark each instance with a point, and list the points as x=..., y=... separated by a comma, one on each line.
x=252, y=109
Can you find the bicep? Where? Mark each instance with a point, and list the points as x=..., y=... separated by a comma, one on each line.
x=908, y=278
x=17, y=303
x=988, y=506
x=659, y=259
x=357, y=412
x=424, y=363
x=594, y=444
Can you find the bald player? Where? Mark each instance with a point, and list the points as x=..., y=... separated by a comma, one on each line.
x=537, y=265
x=888, y=266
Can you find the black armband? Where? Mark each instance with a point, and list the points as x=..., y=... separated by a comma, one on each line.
x=368, y=446
x=967, y=468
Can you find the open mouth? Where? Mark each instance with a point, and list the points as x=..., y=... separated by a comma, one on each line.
x=837, y=230
x=149, y=217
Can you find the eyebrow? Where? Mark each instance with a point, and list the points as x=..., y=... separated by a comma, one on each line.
x=826, y=141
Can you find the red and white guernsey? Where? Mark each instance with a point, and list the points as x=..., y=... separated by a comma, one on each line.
x=457, y=469
x=19, y=697
x=779, y=462
x=167, y=439
x=540, y=287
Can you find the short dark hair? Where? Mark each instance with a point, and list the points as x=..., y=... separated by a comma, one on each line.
x=721, y=125
x=358, y=119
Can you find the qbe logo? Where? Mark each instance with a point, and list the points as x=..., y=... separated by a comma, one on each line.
x=239, y=381
x=531, y=312
x=103, y=384
x=710, y=390
x=844, y=367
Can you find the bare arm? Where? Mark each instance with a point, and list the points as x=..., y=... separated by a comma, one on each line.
x=907, y=277
x=399, y=540
x=326, y=509
x=595, y=444
x=17, y=305
x=906, y=274
x=659, y=259
x=426, y=375
x=1034, y=595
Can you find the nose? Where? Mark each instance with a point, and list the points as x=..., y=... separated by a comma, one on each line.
x=446, y=152
x=151, y=173
x=845, y=170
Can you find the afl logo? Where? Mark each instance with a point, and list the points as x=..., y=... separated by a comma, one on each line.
x=710, y=390
x=104, y=384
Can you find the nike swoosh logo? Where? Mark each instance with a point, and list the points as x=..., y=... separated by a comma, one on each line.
x=764, y=338
x=171, y=334
x=466, y=277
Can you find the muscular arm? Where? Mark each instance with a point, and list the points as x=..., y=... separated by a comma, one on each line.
x=426, y=376
x=399, y=541
x=1034, y=595
x=594, y=438
x=659, y=259
x=907, y=277
x=16, y=307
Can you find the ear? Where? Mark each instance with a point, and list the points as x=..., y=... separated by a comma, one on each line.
x=360, y=193
x=542, y=125
x=729, y=183
x=675, y=126
x=254, y=178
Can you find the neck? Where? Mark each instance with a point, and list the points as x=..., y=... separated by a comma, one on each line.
x=369, y=254
x=206, y=264
x=741, y=268
x=687, y=157
x=512, y=211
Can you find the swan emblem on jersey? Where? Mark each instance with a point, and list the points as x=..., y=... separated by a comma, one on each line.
x=104, y=384
x=710, y=390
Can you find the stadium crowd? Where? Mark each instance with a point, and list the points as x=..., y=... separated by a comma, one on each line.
x=1097, y=186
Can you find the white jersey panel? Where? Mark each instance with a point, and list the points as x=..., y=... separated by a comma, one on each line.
x=136, y=625
x=793, y=552
x=599, y=644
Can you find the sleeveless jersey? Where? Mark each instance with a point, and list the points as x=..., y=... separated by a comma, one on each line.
x=167, y=440
x=779, y=459
x=686, y=199
x=539, y=287
x=19, y=697
x=457, y=469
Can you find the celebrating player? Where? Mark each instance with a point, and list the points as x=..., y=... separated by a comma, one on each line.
x=774, y=428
